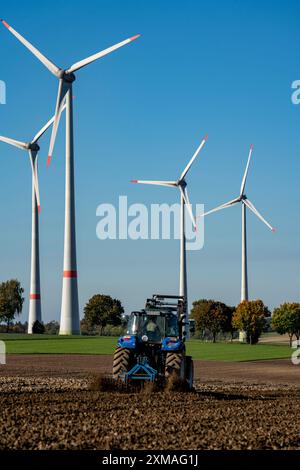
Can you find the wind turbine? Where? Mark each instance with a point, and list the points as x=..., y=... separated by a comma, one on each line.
x=184, y=202
x=69, y=323
x=242, y=198
x=33, y=148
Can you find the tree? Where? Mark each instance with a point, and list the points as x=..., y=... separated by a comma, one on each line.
x=227, y=326
x=38, y=328
x=250, y=316
x=102, y=310
x=212, y=316
x=286, y=320
x=11, y=301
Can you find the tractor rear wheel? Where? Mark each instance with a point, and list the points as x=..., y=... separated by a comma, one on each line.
x=174, y=365
x=121, y=361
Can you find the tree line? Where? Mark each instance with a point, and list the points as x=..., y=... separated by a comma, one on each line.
x=252, y=317
x=104, y=315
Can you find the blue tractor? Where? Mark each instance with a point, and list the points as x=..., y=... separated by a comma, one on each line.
x=153, y=348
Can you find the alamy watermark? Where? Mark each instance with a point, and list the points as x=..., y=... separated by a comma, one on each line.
x=295, y=97
x=296, y=354
x=138, y=222
x=2, y=353
x=2, y=92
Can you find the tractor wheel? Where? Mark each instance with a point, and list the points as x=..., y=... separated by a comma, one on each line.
x=121, y=361
x=189, y=372
x=174, y=365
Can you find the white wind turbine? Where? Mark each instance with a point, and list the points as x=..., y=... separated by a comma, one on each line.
x=69, y=323
x=184, y=202
x=242, y=198
x=33, y=148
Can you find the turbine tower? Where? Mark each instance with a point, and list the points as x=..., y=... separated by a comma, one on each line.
x=69, y=321
x=35, y=311
x=184, y=202
x=242, y=198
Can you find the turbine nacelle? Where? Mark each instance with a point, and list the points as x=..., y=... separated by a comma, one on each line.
x=181, y=183
x=68, y=77
x=33, y=146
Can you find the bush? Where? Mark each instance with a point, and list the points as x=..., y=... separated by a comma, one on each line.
x=111, y=330
x=108, y=330
x=52, y=328
x=38, y=328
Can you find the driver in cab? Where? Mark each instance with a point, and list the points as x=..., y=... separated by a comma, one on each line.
x=152, y=330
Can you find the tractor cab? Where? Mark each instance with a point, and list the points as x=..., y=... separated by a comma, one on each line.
x=153, y=326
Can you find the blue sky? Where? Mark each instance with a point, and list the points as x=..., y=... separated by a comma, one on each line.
x=224, y=68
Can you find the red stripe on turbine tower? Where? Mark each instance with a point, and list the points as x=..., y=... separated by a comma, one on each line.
x=70, y=274
x=35, y=297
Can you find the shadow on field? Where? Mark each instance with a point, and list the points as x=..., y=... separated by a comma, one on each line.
x=232, y=396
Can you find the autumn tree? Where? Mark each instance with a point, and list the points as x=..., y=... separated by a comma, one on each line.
x=250, y=316
x=212, y=316
x=286, y=320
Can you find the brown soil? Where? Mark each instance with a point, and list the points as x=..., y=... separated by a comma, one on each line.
x=279, y=371
x=54, y=402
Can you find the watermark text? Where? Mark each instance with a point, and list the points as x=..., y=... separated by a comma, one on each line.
x=2, y=92
x=137, y=222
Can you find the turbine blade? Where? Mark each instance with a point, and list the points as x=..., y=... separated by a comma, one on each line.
x=45, y=128
x=15, y=143
x=255, y=211
x=63, y=88
x=98, y=55
x=222, y=206
x=50, y=65
x=34, y=168
x=186, y=199
x=246, y=172
x=157, y=183
x=193, y=158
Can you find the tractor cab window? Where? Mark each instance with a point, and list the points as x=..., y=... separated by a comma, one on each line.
x=133, y=324
x=172, y=326
x=152, y=326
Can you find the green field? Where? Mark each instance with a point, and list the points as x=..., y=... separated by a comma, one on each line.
x=43, y=344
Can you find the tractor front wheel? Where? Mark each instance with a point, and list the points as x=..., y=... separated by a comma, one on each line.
x=121, y=361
